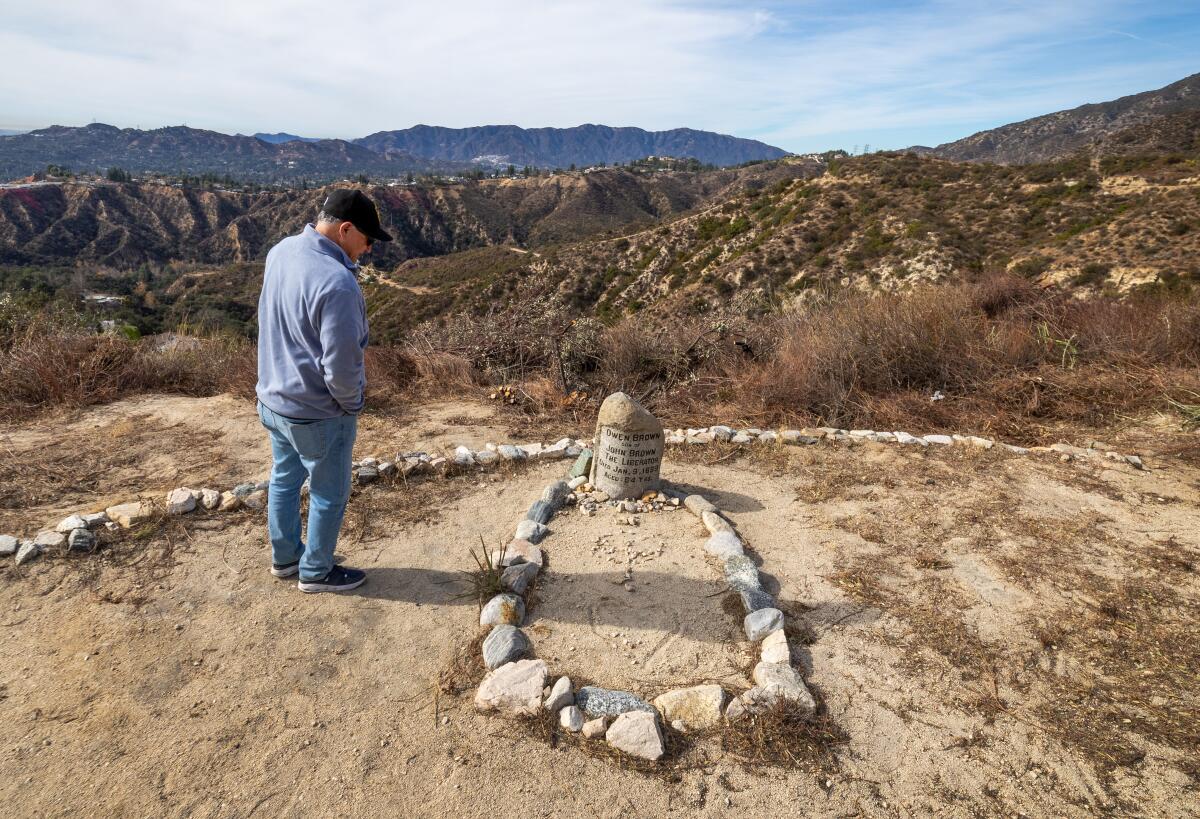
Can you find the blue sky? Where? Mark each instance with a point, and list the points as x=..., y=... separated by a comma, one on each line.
x=800, y=75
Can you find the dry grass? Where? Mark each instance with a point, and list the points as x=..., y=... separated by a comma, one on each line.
x=1012, y=360
x=1107, y=670
x=464, y=670
x=682, y=752
x=83, y=463
x=784, y=737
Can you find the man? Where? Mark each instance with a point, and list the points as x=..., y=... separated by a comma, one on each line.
x=312, y=332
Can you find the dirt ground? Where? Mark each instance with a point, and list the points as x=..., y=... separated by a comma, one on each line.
x=992, y=634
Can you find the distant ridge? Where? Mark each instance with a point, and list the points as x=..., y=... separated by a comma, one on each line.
x=1053, y=136
x=562, y=147
x=179, y=149
x=281, y=156
x=283, y=136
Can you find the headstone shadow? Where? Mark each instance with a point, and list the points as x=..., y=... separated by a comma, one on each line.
x=725, y=499
x=602, y=600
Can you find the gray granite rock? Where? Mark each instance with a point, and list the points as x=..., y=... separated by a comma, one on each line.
x=531, y=531
x=906, y=438
x=755, y=599
x=629, y=448
x=561, y=696
x=8, y=545
x=944, y=440
x=387, y=469
x=243, y=489
x=758, y=624
x=556, y=493
x=463, y=456
x=604, y=702
x=503, y=609
x=486, y=458
x=516, y=578
x=741, y=573
x=722, y=433
x=81, y=540
x=504, y=644
x=540, y=511
x=366, y=475
x=508, y=452
x=571, y=719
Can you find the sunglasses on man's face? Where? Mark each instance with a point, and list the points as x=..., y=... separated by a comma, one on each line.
x=370, y=239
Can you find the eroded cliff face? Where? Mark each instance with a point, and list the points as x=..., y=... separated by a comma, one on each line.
x=124, y=225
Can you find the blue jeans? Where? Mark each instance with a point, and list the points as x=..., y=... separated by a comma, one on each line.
x=320, y=451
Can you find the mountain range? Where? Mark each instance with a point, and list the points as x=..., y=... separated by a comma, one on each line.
x=273, y=157
x=1091, y=127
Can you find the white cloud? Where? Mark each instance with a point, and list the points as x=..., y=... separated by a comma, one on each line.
x=789, y=73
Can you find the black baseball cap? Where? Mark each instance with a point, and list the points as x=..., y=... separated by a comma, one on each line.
x=354, y=207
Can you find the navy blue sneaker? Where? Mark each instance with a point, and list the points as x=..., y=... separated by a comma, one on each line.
x=339, y=579
x=285, y=569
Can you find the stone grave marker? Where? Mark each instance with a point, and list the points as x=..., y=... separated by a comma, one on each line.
x=629, y=448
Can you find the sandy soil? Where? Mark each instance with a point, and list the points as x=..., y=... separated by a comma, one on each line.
x=962, y=613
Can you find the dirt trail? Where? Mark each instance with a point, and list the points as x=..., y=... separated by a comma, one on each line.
x=175, y=677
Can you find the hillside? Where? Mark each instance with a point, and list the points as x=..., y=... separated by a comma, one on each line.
x=874, y=223
x=562, y=147
x=125, y=225
x=1054, y=136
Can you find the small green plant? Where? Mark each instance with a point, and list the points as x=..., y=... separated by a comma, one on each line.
x=1190, y=412
x=1092, y=273
x=1070, y=350
x=485, y=581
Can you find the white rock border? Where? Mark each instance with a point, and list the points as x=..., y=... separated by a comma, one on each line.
x=636, y=729
x=253, y=495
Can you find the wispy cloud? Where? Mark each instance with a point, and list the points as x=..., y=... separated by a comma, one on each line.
x=795, y=74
